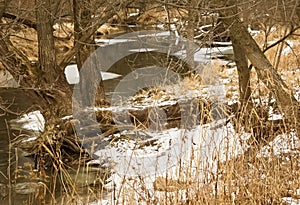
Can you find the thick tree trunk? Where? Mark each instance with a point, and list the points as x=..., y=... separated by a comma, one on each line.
x=243, y=72
x=48, y=71
x=82, y=21
x=56, y=92
x=82, y=24
x=243, y=115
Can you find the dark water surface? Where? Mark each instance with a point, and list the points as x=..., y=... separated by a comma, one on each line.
x=16, y=102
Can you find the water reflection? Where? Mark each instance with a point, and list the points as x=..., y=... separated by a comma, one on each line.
x=11, y=158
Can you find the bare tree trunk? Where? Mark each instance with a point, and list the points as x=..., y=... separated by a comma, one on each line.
x=82, y=21
x=48, y=71
x=57, y=93
x=192, y=19
x=243, y=72
x=241, y=62
x=82, y=25
x=244, y=113
x=191, y=32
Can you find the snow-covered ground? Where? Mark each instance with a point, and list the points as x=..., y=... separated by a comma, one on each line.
x=198, y=149
x=169, y=147
x=203, y=145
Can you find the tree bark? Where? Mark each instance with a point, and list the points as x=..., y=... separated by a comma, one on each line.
x=241, y=62
x=82, y=21
x=48, y=72
x=243, y=72
x=82, y=25
x=191, y=33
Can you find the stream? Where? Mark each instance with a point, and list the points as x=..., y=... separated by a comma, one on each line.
x=19, y=191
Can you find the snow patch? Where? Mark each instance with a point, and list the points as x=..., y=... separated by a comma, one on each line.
x=72, y=74
x=171, y=147
x=33, y=121
x=285, y=143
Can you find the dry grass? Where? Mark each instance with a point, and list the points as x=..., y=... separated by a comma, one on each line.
x=259, y=179
x=250, y=178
